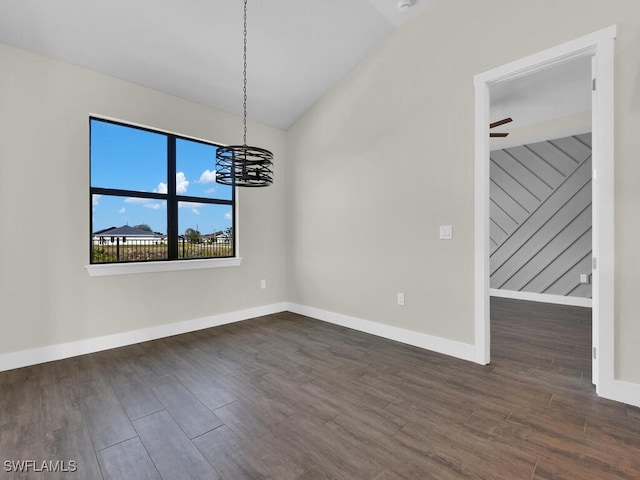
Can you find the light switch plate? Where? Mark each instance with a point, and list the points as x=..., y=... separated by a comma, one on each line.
x=446, y=232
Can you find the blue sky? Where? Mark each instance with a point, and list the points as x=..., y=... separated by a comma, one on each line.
x=133, y=159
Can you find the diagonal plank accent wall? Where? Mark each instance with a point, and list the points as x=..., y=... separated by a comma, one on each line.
x=540, y=217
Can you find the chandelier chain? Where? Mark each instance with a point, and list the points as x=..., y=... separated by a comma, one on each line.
x=244, y=105
x=242, y=165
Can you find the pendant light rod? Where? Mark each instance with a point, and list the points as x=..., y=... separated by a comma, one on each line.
x=244, y=77
x=242, y=165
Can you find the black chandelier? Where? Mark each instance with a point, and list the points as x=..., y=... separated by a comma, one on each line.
x=243, y=165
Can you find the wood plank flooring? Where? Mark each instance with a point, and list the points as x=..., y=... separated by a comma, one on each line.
x=285, y=397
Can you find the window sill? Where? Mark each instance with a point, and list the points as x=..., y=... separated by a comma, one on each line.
x=108, y=269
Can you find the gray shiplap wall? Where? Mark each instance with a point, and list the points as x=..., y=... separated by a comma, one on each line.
x=540, y=217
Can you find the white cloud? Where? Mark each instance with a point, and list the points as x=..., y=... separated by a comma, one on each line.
x=228, y=215
x=210, y=190
x=122, y=210
x=208, y=176
x=191, y=204
x=153, y=206
x=137, y=200
x=196, y=211
x=181, y=185
x=95, y=199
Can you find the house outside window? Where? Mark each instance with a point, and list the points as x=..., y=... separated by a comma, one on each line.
x=153, y=197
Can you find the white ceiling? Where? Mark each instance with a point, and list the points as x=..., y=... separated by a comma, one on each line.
x=560, y=91
x=298, y=50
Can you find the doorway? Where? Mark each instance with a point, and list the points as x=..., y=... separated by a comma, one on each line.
x=598, y=46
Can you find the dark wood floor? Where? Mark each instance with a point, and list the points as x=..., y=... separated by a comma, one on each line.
x=285, y=397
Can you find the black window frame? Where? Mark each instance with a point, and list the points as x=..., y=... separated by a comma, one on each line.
x=171, y=197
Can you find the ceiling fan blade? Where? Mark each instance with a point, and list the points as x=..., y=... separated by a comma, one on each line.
x=501, y=122
x=498, y=134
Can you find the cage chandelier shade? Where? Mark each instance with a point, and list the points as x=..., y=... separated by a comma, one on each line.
x=244, y=166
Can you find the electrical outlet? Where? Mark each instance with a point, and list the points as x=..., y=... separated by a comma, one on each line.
x=263, y=284
x=401, y=299
x=446, y=232
x=584, y=278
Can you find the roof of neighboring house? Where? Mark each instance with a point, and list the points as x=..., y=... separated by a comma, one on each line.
x=212, y=235
x=127, y=231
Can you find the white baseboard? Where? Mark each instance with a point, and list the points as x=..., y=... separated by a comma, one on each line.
x=621, y=391
x=464, y=351
x=9, y=361
x=618, y=390
x=24, y=358
x=541, y=297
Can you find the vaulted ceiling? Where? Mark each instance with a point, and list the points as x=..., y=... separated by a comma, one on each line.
x=298, y=49
x=193, y=48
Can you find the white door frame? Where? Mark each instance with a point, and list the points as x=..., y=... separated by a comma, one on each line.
x=600, y=46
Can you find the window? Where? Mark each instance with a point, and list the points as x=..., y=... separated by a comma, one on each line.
x=153, y=197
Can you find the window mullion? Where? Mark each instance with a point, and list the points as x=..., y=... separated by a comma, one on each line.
x=172, y=202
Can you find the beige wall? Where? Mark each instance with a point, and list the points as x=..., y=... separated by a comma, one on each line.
x=371, y=171
x=46, y=295
x=385, y=158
